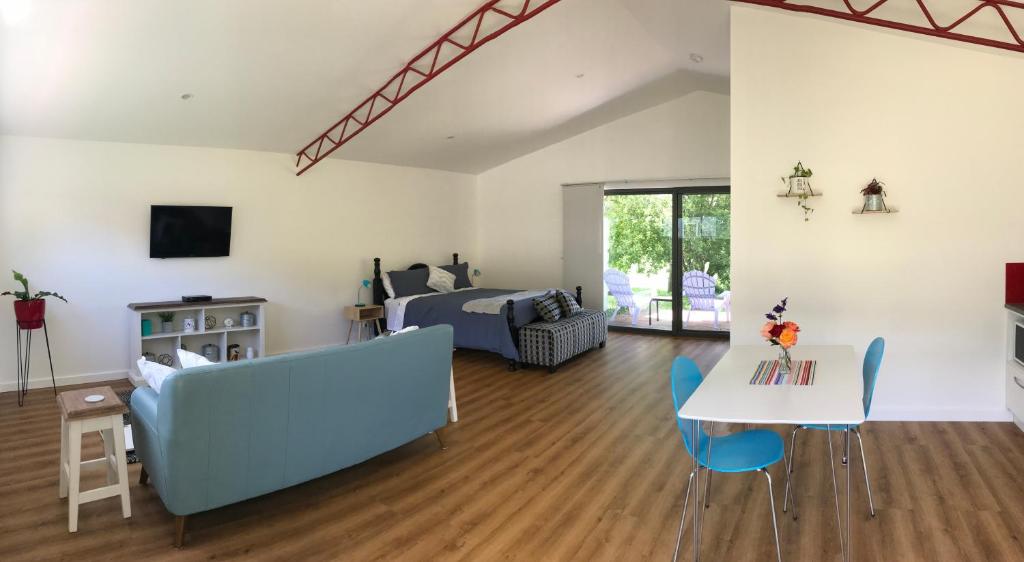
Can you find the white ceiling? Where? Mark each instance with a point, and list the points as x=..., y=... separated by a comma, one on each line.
x=271, y=75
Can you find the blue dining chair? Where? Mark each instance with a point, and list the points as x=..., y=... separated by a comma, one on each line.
x=744, y=451
x=872, y=361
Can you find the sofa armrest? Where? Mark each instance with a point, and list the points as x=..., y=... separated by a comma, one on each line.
x=146, y=436
x=144, y=403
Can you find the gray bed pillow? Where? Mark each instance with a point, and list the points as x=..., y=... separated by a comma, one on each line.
x=410, y=282
x=461, y=273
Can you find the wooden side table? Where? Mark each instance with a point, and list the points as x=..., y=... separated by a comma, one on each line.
x=77, y=417
x=363, y=315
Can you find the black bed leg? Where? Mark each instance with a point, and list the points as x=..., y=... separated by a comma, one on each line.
x=602, y=344
x=552, y=369
x=512, y=366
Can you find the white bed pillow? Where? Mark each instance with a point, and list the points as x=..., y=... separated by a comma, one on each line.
x=154, y=373
x=386, y=280
x=441, y=280
x=189, y=359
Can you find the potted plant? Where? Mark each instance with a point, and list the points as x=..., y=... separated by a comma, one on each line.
x=874, y=196
x=166, y=321
x=29, y=309
x=799, y=185
x=799, y=181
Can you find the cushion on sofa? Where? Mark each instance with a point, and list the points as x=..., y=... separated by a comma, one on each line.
x=547, y=307
x=567, y=303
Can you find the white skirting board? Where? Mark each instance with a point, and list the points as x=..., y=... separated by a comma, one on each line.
x=940, y=414
x=41, y=382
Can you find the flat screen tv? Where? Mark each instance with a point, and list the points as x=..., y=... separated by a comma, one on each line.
x=189, y=232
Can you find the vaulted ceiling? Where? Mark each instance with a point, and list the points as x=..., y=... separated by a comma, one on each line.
x=270, y=75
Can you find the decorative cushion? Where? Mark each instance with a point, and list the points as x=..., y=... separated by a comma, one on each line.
x=154, y=373
x=461, y=272
x=410, y=282
x=547, y=307
x=385, y=279
x=440, y=280
x=189, y=359
x=567, y=303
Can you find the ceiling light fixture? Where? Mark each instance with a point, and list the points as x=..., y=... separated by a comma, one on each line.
x=186, y=96
x=697, y=58
x=15, y=12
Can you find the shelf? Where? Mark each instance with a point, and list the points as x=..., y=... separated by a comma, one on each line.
x=797, y=195
x=179, y=305
x=886, y=212
x=200, y=333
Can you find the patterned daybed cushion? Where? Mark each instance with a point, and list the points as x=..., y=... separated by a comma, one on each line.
x=550, y=344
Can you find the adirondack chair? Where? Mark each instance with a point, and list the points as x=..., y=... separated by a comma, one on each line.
x=699, y=287
x=619, y=287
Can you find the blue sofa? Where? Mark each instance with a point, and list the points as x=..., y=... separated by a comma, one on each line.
x=221, y=434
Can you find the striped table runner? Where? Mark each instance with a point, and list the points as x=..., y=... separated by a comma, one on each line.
x=801, y=374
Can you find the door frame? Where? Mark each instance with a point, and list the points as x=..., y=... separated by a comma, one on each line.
x=675, y=269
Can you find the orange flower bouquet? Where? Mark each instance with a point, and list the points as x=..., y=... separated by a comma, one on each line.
x=778, y=332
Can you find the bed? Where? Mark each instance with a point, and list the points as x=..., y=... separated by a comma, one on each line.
x=492, y=326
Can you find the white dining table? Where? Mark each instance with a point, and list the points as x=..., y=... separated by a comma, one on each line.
x=835, y=399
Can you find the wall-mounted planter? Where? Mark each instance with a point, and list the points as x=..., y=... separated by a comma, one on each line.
x=874, y=199
x=798, y=186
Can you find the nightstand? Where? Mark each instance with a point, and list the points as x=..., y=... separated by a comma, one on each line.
x=363, y=315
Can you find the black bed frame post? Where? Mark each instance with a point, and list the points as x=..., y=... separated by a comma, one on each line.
x=378, y=283
x=510, y=315
x=455, y=258
x=579, y=295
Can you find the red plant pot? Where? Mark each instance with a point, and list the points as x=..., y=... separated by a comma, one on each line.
x=30, y=314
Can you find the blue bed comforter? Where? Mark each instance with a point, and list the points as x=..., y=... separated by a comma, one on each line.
x=487, y=332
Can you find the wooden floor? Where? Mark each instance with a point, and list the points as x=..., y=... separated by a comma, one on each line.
x=585, y=464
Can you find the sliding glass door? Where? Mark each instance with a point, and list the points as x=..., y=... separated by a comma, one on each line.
x=667, y=260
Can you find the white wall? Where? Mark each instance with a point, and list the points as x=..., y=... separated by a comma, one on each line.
x=940, y=123
x=520, y=202
x=74, y=217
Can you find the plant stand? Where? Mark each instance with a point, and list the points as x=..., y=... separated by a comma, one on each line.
x=25, y=362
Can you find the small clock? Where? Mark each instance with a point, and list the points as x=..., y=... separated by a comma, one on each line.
x=228, y=322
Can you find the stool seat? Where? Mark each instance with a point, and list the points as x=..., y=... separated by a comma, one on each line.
x=77, y=417
x=74, y=407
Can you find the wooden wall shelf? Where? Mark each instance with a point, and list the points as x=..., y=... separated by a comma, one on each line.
x=796, y=195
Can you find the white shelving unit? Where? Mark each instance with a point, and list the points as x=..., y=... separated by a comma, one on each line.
x=159, y=343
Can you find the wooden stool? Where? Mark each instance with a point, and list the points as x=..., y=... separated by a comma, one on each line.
x=77, y=417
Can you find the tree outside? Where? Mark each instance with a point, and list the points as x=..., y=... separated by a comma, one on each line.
x=640, y=238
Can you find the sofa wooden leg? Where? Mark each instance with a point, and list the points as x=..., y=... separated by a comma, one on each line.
x=180, y=524
x=440, y=441
x=143, y=476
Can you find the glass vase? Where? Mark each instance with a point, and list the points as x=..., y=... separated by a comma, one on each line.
x=785, y=361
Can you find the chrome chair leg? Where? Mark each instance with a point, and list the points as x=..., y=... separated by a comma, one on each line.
x=791, y=468
x=682, y=519
x=775, y=524
x=864, y=463
x=846, y=436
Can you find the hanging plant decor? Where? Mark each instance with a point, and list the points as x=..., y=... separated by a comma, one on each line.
x=798, y=185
